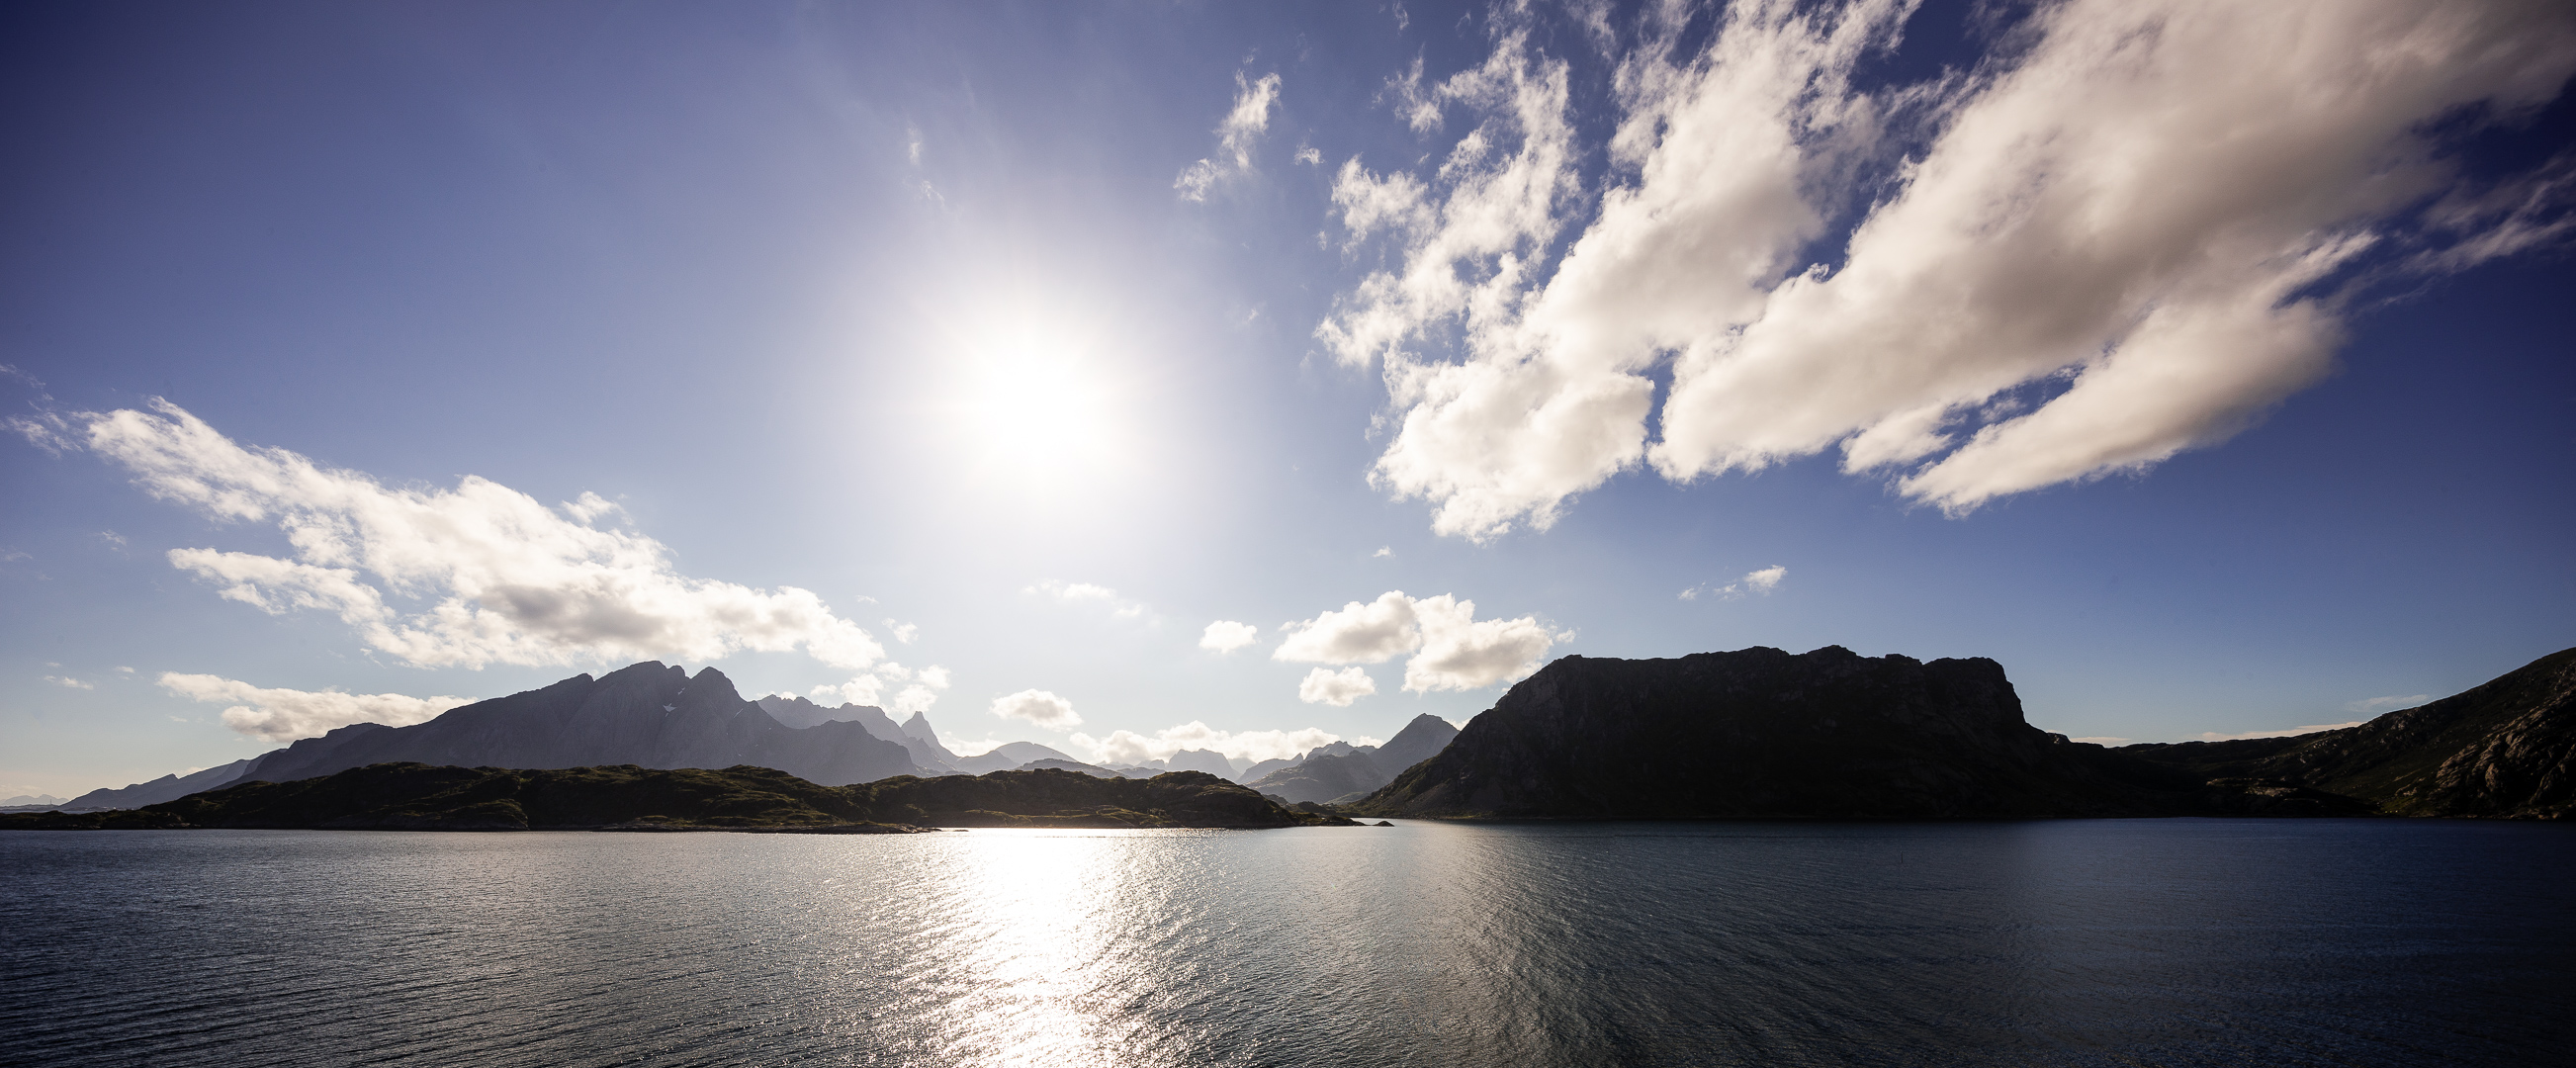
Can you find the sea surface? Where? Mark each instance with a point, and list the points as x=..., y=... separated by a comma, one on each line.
x=2101, y=942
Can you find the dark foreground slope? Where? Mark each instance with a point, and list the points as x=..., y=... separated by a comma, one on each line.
x=2502, y=749
x=1760, y=732
x=409, y=797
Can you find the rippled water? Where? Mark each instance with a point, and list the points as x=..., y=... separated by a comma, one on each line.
x=2181, y=942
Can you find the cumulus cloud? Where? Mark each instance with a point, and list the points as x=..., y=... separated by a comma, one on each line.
x=1236, y=135
x=1450, y=648
x=1086, y=593
x=1128, y=748
x=1038, y=707
x=69, y=683
x=1226, y=636
x=496, y=577
x=2373, y=706
x=2131, y=235
x=903, y=632
x=1325, y=686
x=273, y=715
x=2284, y=732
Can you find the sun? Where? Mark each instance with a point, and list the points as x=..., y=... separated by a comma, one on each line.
x=1038, y=406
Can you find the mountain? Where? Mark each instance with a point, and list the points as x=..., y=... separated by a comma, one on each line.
x=2505, y=748
x=1340, y=769
x=165, y=788
x=926, y=753
x=1207, y=760
x=924, y=740
x=1761, y=732
x=1008, y=755
x=420, y=797
x=30, y=801
x=1256, y=772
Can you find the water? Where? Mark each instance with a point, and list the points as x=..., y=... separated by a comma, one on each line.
x=2131, y=942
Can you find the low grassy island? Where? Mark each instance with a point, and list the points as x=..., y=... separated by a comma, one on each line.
x=422, y=797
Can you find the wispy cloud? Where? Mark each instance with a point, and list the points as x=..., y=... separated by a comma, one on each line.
x=1086, y=593
x=1241, y=130
x=2131, y=236
x=279, y=715
x=1761, y=581
x=2372, y=706
x=506, y=579
x=70, y=683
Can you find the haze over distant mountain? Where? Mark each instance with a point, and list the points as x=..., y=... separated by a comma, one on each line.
x=1006, y=756
x=924, y=747
x=648, y=714
x=1340, y=769
x=2504, y=748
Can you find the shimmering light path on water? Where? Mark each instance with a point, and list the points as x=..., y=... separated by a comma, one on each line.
x=2144, y=942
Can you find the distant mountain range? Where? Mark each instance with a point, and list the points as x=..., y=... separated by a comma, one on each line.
x=1763, y=733
x=1343, y=771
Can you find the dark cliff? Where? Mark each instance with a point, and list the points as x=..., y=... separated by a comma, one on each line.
x=1762, y=733
x=2502, y=749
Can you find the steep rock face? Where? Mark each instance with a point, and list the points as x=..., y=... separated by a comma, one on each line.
x=1340, y=769
x=2501, y=749
x=165, y=788
x=648, y=715
x=1760, y=732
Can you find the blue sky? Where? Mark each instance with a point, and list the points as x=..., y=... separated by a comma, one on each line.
x=1024, y=343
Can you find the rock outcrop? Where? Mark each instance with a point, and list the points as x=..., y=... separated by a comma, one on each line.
x=2502, y=749
x=1763, y=733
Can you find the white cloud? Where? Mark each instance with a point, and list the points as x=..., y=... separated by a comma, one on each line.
x=1761, y=581
x=501, y=578
x=869, y=689
x=285, y=715
x=2121, y=241
x=2285, y=732
x=1127, y=748
x=903, y=632
x=70, y=683
x=1226, y=636
x=2099, y=740
x=1383, y=551
x=124, y=670
x=1452, y=650
x=1236, y=135
x=1086, y=593
x=1325, y=686
x=1039, y=707
x=2375, y=705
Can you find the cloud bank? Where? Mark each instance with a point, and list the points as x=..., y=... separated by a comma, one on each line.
x=1450, y=648
x=286, y=715
x=2128, y=234
x=1128, y=748
x=500, y=578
